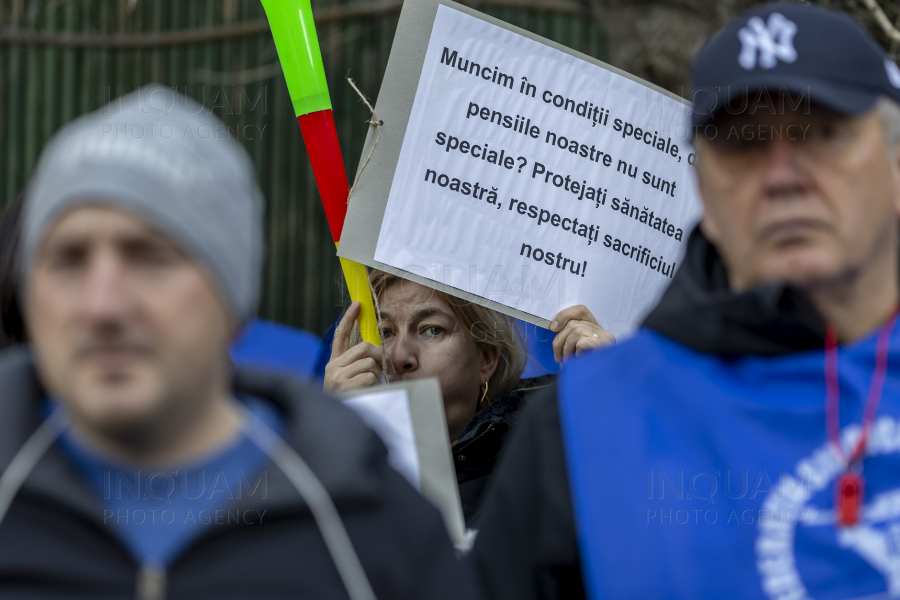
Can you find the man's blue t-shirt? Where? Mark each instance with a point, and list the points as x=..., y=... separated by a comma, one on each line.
x=157, y=513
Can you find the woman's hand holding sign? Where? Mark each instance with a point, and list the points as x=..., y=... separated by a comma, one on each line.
x=355, y=367
x=577, y=331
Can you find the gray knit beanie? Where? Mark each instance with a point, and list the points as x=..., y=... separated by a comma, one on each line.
x=165, y=158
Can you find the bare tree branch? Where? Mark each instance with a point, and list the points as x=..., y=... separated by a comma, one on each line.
x=883, y=21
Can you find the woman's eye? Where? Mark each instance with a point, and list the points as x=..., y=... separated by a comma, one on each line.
x=433, y=331
x=386, y=333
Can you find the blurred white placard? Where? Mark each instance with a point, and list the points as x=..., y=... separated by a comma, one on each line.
x=409, y=417
x=386, y=410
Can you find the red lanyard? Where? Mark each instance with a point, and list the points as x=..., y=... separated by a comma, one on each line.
x=850, y=487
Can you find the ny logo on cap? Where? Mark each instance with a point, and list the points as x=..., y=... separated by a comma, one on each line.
x=773, y=42
x=893, y=72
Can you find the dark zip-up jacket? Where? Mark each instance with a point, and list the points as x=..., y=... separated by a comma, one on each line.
x=527, y=547
x=54, y=543
x=476, y=451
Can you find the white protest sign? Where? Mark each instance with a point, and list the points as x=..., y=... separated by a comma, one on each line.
x=538, y=180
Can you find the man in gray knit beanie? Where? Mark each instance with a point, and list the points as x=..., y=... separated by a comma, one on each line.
x=161, y=156
x=140, y=260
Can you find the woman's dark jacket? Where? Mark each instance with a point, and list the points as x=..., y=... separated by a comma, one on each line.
x=479, y=444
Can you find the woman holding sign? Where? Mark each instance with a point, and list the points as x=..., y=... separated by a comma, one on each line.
x=474, y=352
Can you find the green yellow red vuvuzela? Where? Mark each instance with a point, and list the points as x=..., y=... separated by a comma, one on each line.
x=294, y=31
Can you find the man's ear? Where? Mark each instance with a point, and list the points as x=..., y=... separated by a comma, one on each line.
x=490, y=360
x=895, y=175
x=709, y=229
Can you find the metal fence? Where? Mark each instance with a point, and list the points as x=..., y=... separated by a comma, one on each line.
x=62, y=58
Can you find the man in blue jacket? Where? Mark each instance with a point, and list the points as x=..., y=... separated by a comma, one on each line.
x=746, y=442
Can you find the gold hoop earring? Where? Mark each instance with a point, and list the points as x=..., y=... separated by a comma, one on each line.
x=484, y=395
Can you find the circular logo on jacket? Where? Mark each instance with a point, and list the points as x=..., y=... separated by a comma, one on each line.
x=875, y=539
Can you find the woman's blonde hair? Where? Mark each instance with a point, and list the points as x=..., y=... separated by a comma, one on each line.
x=486, y=326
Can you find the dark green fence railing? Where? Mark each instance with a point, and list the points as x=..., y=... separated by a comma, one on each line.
x=62, y=58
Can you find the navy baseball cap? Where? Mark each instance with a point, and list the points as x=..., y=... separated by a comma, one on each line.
x=811, y=54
